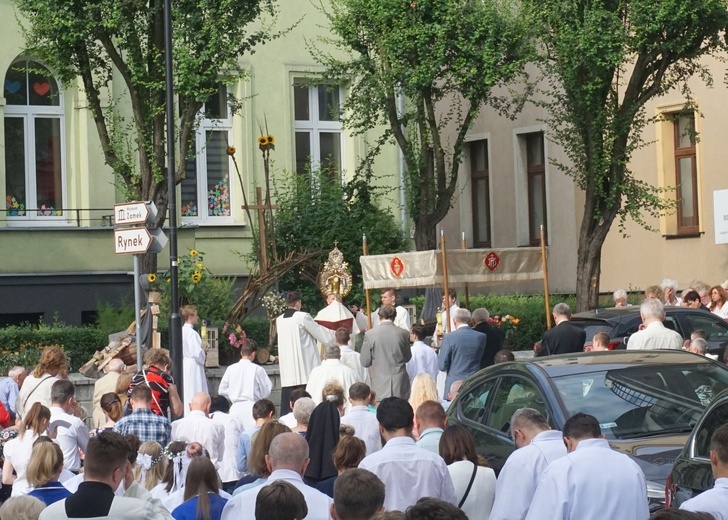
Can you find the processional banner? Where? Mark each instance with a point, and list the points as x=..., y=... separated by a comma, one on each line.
x=424, y=268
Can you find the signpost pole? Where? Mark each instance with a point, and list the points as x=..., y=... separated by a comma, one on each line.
x=138, y=310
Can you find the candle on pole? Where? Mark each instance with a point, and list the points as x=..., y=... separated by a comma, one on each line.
x=446, y=285
x=365, y=252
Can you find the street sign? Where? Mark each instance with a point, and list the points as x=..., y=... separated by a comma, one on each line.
x=132, y=241
x=131, y=213
x=159, y=240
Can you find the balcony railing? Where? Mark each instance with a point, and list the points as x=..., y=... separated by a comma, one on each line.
x=80, y=217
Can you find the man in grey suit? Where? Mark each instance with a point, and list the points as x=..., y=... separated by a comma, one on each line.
x=386, y=349
x=461, y=350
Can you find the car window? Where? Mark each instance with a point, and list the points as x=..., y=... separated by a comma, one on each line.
x=640, y=401
x=717, y=330
x=717, y=418
x=473, y=402
x=512, y=394
x=670, y=322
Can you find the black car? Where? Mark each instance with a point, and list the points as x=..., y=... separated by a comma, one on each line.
x=647, y=402
x=621, y=322
x=691, y=473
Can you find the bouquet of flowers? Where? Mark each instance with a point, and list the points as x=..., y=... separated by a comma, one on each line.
x=506, y=323
x=274, y=304
x=235, y=334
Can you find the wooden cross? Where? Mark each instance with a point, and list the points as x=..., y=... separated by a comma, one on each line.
x=261, y=207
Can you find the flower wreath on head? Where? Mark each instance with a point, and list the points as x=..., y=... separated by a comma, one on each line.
x=172, y=455
x=146, y=462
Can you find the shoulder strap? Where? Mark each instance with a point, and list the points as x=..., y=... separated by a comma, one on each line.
x=150, y=388
x=470, y=485
x=33, y=390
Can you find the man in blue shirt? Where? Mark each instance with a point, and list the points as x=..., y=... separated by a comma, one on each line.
x=143, y=422
x=9, y=388
x=430, y=421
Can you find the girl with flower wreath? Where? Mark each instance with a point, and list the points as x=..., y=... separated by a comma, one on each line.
x=151, y=465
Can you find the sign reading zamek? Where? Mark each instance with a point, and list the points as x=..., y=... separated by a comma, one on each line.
x=131, y=213
x=137, y=240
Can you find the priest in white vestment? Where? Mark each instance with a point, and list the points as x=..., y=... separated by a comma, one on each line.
x=350, y=357
x=715, y=500
x=538, y=446
x=331, y=369
x=193, y=358
x=245, y=383
x=298, y=353
x=389, y=297
x=591, y=481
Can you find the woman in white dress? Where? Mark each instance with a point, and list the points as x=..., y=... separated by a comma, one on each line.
x=17, y=451
x=719, y=302
x=52, y=366
x=474, y=482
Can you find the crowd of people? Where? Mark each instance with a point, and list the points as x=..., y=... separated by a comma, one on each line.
x=356, y=436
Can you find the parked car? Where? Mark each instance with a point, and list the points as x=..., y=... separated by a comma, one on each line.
x=621, y=322
x=691, y=473
x=647, y=402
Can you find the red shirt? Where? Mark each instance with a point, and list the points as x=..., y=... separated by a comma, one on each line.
x=159, y=382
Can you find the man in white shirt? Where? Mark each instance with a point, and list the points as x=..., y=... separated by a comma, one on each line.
x=654, y=335
x=330, y=368
x=105, y=385
x=714, y=500
x=287, y=460
x=408, y=472
x=451, y=301
x=351, y=357
x=198, y=427
x=219, y=413
x=70, y=432
x=389, y=297
x=298, y=338
x=193, y=362
x=245, y=383
x=364, y=422
x=424, y=358
x=573, y=486
x=537, y=447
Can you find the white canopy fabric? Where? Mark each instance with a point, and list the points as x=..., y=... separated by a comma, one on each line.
x=424, y=268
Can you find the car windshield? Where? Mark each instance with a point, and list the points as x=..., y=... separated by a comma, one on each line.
x=643, y=400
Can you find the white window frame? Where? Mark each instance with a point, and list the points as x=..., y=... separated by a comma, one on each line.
x=29, y=113
x=315, y=127
x=206, y=125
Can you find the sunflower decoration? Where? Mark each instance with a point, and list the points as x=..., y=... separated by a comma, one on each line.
x=194, y=252
x=266, y=141
x=196, y=277
x=151, y=278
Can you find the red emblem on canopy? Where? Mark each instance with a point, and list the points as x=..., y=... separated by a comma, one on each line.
x=396, y=266
x=492, y=261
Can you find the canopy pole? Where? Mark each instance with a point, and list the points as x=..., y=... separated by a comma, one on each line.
x=446, y=287
x=545, y=278
x=464, y=245
x=365, y=252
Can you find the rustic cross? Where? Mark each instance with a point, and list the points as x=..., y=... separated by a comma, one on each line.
x=261, y=206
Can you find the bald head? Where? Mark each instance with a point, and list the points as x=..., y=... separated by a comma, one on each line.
x=288, y=451
x=116, y=365
x=200, y=401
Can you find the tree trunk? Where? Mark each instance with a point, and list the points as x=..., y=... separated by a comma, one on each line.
x=425, y=237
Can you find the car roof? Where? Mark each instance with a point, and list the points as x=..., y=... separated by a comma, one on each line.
x=584, y=362
x=616, y=312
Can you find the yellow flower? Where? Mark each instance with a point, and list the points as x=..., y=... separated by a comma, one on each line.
x=231, y=150
x=200, y=266
x=194, y=252
x=196, y=278
x=168, y=280
x=262, y=140
x=151, y=277
x=197, y=273
x=270, y=139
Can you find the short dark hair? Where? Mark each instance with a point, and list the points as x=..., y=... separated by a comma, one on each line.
x=141, y=393
x=134, y=445
x=342, y=335
x=419, y=331
x=105, y=452
x=601, y=337
x=349, y=452
x=700, y=333
x=219, y=403
x=680, y=514
x=394, y=413
x=691, y=296
x=360, y=391
x=452, y=293
x=62, y=390
x=433, y=509
x=263, y=409
x=504, y=355
x=248, y=347
x=280, y=500
x=297, y=394
x=358, y=495
x=387, y=312
x=431, y=414
x=582, y=426
x=719, y=443
x=292, y=298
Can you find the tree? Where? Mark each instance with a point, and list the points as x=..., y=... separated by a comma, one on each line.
x=605, y=59
x=444, y=58
x=97, y=40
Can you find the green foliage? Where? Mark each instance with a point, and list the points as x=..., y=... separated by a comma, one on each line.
x=444, y=57
x=111, y=319
x=316, y=211
x=22, y=344
x=604, y=60
x=257, y=329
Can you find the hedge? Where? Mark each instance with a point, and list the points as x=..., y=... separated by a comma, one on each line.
x=22, y=344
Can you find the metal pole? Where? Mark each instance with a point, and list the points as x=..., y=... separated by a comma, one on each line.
x=446, y=284
x=138, y=310
x=175, y=320
x=365, y=252
x=546, y=299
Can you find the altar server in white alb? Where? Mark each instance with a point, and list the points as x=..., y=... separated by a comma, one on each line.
x=715, y=500
x=389, y=297
x=331, y=369
x=245, y=383
x=298, y=337
x=591, y=481
x=538, y=446
x=350, y=357
x=193, y=357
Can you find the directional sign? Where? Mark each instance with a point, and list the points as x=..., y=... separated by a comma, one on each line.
x=159, y=240
x=132, y=241
x=131, y=213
